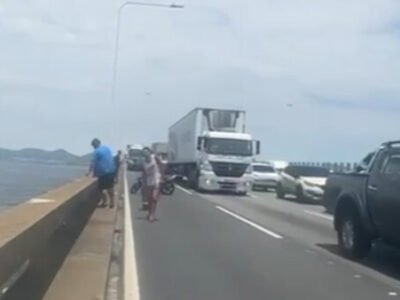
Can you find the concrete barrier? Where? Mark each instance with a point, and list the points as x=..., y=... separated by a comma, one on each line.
x=36, y=236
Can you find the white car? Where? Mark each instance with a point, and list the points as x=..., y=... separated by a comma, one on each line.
x=279, y=165
x=264, y=176
x=305, y=182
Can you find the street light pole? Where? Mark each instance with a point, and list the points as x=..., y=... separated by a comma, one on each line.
x=117, y=36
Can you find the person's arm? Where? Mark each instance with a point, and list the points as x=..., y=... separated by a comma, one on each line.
x=91, y=166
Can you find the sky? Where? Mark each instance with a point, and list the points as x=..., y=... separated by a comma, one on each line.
x=336, y=62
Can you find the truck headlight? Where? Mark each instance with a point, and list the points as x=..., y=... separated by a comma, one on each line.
x=206, y=166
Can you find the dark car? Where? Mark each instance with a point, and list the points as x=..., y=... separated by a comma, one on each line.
x=366, y=203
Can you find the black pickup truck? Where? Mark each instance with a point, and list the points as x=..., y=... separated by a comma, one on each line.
x=366, y=203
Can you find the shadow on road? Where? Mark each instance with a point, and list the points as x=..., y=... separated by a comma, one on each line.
x=383, y=258
x=185, y=184
x=293, y=199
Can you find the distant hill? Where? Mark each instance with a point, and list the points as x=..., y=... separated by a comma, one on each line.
x=43, y=156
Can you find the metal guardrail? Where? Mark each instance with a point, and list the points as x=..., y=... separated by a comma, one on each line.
x=335, y=166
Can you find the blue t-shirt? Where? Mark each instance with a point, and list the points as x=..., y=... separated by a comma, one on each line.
x=103, y=161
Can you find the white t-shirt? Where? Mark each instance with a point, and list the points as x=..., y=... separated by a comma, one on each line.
x=152, y=172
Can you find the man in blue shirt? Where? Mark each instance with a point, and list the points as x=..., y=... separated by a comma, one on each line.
x=103, y=167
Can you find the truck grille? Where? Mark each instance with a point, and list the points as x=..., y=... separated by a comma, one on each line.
x=228, y=169
x=228, y=186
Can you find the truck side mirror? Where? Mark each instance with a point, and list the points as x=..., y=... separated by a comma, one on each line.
x=199, y=143
x=258, y=147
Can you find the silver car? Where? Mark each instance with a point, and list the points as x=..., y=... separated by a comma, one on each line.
x=264, y=176
x=305, y=182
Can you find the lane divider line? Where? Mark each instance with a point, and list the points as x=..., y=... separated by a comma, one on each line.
x=320, y=215
x=184, y=190
x=130, y=281
x=248, y=222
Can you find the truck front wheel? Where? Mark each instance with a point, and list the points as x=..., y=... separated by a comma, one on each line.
x=353, y=241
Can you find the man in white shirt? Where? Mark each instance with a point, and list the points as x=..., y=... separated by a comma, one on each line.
x=152, y=181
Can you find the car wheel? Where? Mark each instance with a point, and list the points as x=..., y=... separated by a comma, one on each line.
x=300, y=195
x=353, y=241
x=280, y=194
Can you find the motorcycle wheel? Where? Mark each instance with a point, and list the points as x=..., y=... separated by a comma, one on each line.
x=167, y=188
x=135, y=187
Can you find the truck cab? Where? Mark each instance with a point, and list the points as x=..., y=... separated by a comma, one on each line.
x=212, y=148
x=135, y=157
x=225, y=161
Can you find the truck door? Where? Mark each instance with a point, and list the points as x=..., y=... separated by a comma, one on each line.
x=383, y=195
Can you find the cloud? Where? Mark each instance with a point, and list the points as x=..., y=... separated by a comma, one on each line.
x=337, y=62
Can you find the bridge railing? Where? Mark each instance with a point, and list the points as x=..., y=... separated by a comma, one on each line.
x=332, y=166
x=36, y=236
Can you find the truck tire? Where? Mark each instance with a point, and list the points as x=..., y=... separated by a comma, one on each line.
x=280, y=193
x=353, y=241
x=193, y=179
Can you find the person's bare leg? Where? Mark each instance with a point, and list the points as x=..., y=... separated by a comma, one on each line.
x=110, y=193
x=153, y=210
x=144, y=197
x=150, y=208
x=154, y=198
x=150, y=201
x=104, y=198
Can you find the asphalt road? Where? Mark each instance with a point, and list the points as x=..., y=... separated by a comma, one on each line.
x=227, y=247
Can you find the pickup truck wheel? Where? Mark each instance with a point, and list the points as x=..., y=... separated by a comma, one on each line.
x=280, y=194
x=353, y=242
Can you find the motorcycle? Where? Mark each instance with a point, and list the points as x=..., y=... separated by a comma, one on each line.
x=167, y=186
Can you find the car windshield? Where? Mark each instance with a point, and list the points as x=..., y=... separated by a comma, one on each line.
x=263, y=169
x=229, y=147
x=310, y=172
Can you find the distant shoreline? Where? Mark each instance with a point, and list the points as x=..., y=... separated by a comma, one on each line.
x=39, y=156
x=42, y=162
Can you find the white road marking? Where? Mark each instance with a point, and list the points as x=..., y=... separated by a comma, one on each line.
x=320, y=215
x=248, y=222
x=184, y=190
x=357, y=276
x=392, y=294
x=131, y=283
x=253, y=196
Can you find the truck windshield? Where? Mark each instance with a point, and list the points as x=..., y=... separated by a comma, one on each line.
x=136, y=153
x=229, y=147
x=263, y=169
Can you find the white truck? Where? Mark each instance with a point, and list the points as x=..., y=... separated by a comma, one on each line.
x=212, y=149
x=160, y=149
x=135, y=157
